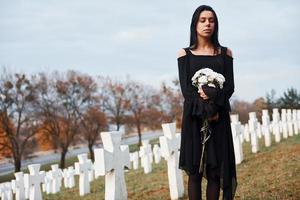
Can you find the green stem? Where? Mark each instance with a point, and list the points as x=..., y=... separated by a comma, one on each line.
x=204, y=131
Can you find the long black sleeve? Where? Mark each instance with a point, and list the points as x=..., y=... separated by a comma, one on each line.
x=193, y=102
x=226, y=92
x=182, y=75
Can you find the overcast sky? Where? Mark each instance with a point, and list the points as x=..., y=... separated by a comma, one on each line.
x=142, y=38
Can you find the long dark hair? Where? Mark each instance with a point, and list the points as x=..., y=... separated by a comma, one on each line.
x=193, y=34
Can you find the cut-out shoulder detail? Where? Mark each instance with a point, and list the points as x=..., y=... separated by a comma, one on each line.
x=181, y=53
x=229, y=52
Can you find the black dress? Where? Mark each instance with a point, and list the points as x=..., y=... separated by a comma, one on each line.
x=219, y=150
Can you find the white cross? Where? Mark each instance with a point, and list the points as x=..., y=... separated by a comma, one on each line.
x=276, y=124
x=145, y=143
x=56, y=176
x=27, y=190
x=295, y=122
x=18, y=186
x=82, y=168
x=157, y=153
x=290, y=122
x=65, y=176
x=170, y=143
x=284, y=123
x=236, y=132
x=258, y=130
x=6, y=191
x=253, y=132
x=266, y=127
x=134, y=158
x=246, y=132
x=146, y=156
x=91, y=171
x=70, y=175
x=48, y=183
x=33, y=181
x=110, y=162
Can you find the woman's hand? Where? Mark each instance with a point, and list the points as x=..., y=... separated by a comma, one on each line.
x=203, y=95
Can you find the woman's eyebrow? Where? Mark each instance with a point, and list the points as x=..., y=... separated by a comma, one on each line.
x=206, y=17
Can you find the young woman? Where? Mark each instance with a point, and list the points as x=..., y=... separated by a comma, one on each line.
x=205, y=51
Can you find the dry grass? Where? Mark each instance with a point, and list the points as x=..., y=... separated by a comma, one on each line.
x=273, y=173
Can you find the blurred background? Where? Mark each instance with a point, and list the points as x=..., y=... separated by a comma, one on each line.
x=116, y=38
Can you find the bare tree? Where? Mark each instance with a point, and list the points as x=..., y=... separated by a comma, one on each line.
x=62, y=101
x=172, y=102
x=114, y=99
x=153, y=114
x=18, y=119
x=142, y=103
x=93, y=122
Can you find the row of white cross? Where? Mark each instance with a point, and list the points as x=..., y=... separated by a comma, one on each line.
x=114, y=159
x=110, y=161
x=288, y=124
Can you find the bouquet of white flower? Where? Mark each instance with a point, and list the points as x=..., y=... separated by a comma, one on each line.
x=208, y=77
x=204, y=79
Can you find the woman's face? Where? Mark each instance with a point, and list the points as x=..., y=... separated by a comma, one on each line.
x=206, y=24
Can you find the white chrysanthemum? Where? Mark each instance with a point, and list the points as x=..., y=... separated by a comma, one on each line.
x=206, y=71
x=196, y=76
x=220, y=80
x=207, y=76
x=202, y=79
x=220, y=77
x=210, y=77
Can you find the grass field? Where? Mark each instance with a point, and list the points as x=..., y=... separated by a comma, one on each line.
x=272, y=173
